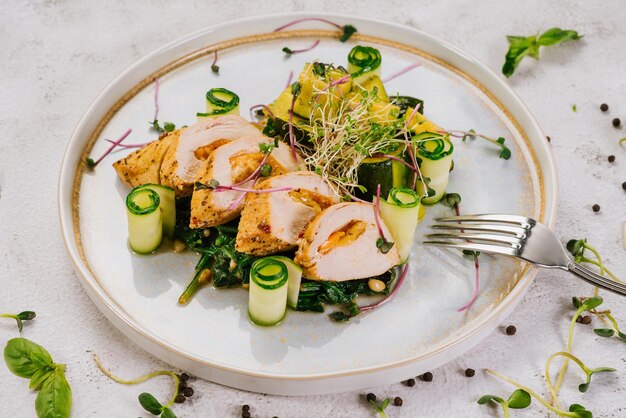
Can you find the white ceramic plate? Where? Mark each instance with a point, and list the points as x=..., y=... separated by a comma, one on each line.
x=307, y=353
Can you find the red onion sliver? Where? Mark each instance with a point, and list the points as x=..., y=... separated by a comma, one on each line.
x=377, y=212
x=289, y=79
x=113, y=145
x=128, y=145
x=472, y=299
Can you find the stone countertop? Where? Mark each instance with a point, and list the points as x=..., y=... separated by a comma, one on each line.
x=58, y=55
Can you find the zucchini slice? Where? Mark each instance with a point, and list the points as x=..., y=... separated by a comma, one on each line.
x=316, y=92
x=435, y=154
x=145, y=226
x=267, y=302
x=384, y=171
x=295, y=277
x=363, y=63
x=219, y=102
x=375, y=86
x=167, y=207
x=400, y=212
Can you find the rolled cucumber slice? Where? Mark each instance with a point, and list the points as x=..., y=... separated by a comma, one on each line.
x=145, y=225
x=293, y=283
x=219, y=102
x=167, y=206
x=435, y=154
x=364, y=62
x=267, y=302
x=400, y=212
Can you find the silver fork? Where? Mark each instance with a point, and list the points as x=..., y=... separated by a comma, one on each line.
x=515, y=236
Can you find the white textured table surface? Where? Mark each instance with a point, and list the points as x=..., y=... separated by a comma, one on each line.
x=57, y=55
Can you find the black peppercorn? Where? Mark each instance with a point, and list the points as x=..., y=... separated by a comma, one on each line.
x=370, y=397
x=511, y=330
x=245, y=414
x=586, y=320
x=624, y=185
x=579, y=319
x=184, y=377
x=617, y=122
x=604, y=107
x=180, y=399
x=427, y=377
x=596, y=208
x=611, y=158
x=410, y=383
x=548, y=138
x=470, y=372
x=188, y=392
x=397, y=401
x=245, y=408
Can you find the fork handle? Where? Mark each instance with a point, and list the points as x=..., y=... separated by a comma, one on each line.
x=595, y=279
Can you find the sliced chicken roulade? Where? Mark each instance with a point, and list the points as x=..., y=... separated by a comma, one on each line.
x=339, y=244
x=274, y=222
x=187, y=156
x=144, y=165
x=231, y=164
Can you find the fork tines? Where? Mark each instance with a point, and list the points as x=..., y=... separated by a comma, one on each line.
x=494, y=233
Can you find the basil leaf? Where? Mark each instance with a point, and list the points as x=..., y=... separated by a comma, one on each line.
x=55, y=397
x=39, y=377
x=24, y=357
x=519, y=47
x=150, y=404
x=556, y=36
x=519, y=399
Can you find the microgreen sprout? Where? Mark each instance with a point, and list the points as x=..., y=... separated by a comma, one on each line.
x=295, y=92
x=167, y=126
x=20, y=318
x=146, y=400
x=91, y=163
x=622, y=140
x=289, y=52
x=214, y=67
x=588, y=371
x=505, y=152
x=519, y=399
x=346, y=30
x=578, y=248
x=380, y=409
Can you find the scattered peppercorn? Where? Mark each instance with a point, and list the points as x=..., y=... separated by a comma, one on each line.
x=604, y=107
x=184, y=377
x=548, y=138
x=371, y=397
x=611, y=158
x=579, y=319
x=596, y=208
x=586, y=320
x=410, y=383
x=180, y=398
x=427, y=377
x=245, y=414
x=188, y=392
x=624, y=185
x=470, y=372
x=245, y=408
x=181, y=386
x=617, y=122
x=511, y=330
x=397, y=401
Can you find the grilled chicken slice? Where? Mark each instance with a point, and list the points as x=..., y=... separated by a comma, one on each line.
x=230, y=164
x=143, y=166
x=339, y=244
x=274, y=222
x=187, y=156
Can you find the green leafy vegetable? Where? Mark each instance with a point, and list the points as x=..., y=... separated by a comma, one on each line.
x=519, y=399
x=20, y=318
x=384, y=245
x=266, y=170
x=348, y=31
x=521, y=46
x=604, y=332
x=167, y=126
x=29, y=360
x=451, y=199
x=150, y=403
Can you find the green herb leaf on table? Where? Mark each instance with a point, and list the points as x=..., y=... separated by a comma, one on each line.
x=20, y=318
x=150, y=403
x=604, y=332
x=380, y=408
x=521, y=46
x=55, y=396
x=167, y=413
x=519, y=399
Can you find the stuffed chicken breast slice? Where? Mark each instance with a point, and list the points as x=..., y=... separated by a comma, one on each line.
x=230, y=164
x=187, y=156
x=274, y=222
x=143, y=165
x=339, y=244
